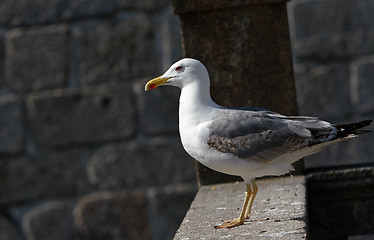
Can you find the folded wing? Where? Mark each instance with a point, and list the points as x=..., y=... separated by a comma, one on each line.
x=264, y=135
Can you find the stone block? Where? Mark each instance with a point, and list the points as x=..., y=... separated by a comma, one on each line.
x=157, y=110
x=46, y=175
x=362, y=85
x=340, y=203
x=114, y=50
x=8, y=231
x=17, y=180
x=85, y=115
x=32, y=12
x=106, y=215
x=167, y=207
x=85, y=8
x=12, y=132
x=323, y=90
x=36, y=58
x=146, y=163
x=167, y=31
x=61, y=173
x=2, y=49
x=50, y=220
x=332, y=28
x=143, y=4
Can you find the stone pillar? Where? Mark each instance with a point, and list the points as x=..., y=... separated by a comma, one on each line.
x=246, y=47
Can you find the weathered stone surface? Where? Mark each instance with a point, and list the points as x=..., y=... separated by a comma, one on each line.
x=278, y=211
x=62, y=173
x=46, y=175
x=168, y=32
x=84, y=115
x=323, y=91
x=188, y=6
x=12, y=132
x=157, y=110
x=143, y=4
x=363, y=151
x=8, y=231
x=324, y=17
x=168, y=206
x=17, y=180
x=151, y=162
x=85, y=8
x=51, y=220
x=21, y=12
x=112, y=216
x=332, y=28
x=31, y=12
x=341, y=203
x=2, y=49
x=114, y=50
x=362, y=85
x=36, y=58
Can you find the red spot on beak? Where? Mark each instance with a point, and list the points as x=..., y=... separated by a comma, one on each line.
x=151, y=86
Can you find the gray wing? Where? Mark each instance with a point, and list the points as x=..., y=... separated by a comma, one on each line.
x=264, y=135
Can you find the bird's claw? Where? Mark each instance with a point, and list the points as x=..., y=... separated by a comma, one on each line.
x=230, y=223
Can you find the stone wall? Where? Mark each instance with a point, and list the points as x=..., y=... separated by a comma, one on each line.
x=85, y=153
x=333, y=47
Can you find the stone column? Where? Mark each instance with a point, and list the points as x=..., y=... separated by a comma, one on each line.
x=246, y=47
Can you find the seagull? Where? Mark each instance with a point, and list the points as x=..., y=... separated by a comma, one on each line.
x=246, y=142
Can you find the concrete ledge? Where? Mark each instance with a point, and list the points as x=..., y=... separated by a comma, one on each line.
x=278, y=211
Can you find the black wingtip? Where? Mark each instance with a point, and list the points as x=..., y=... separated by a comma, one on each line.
x=353, y=128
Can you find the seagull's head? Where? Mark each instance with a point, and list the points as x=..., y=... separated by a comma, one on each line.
x=180, y=74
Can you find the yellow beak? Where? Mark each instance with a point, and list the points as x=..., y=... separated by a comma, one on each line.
x=156, y=82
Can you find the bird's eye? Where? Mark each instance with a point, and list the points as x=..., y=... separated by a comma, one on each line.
x=178, y=68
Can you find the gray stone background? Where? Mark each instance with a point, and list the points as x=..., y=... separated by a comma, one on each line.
x=333, y=47
x=86, y=154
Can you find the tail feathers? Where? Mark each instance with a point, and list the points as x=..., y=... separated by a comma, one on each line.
x=345, y=130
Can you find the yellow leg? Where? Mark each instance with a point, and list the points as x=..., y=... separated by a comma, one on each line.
x=254, y=189
x=240, y=220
